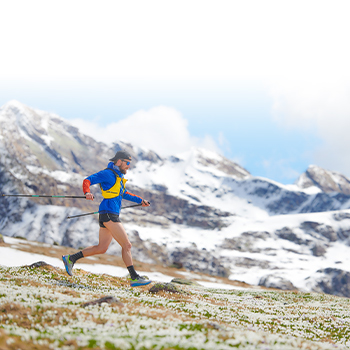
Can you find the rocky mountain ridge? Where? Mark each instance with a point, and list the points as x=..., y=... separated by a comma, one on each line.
x=208, y=214
x=327, y=181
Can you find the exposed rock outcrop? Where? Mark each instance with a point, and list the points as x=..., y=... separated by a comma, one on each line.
x=318, y=250
x=277, y=282
x=201, y=261
x=316, y=229
x=107, y=300
x=333, y=281
x=327, y=181
x=166, y=287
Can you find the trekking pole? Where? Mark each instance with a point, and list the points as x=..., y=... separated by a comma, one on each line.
x=96, y=212
x=131, y=206
x=76, y=216
x=39, y=196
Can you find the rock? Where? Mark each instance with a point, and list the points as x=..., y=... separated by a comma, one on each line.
x=245, y=241
x=184, y=281
x=177, y=265
x=343, y=234
x=277, y=282
x=1, y=239
x=322, y=202
x=318, y=250
x=108, y=300
x=328, y=232
x=200, y=261
x=288, y=234
x=148, y=155
x=341, y=216
x=249, y=263
x=288, y=201
x=316, y=229
x=166, y=287
x=227, y=166
x=39, y=264
x=327, y=181
x=333, y=281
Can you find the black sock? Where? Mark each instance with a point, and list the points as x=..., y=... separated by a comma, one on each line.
x=73, y=258
x=133, y=273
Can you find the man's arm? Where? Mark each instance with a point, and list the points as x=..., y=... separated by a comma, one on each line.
x=86, y=190
x=136, y=199
x=94, y=179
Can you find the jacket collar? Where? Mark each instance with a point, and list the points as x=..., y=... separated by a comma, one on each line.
x=116, y=168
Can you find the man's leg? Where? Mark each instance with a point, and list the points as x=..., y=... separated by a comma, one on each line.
x=117, y=231
x=119, y=234
x=104, y=241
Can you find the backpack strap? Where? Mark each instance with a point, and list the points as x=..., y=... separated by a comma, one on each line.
x=116, y=174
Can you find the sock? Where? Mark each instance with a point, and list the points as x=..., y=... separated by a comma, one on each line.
x=132, y=272
x=73, y=258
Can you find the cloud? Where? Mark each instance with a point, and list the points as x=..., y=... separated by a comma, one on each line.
x=161, y=129
x=311, y=86
x=322, y=108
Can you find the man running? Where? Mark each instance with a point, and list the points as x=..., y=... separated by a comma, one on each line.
x=112, y=184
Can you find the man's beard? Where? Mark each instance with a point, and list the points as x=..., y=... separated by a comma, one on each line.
x=123, y=171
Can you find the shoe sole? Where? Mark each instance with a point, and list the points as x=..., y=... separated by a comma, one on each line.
x=65, y=262
x=138, y=284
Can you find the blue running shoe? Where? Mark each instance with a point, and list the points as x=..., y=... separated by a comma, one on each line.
x=139, y=281
x=68, y=264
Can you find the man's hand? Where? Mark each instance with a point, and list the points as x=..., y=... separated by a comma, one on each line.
x=145, y=203
x=89, y=196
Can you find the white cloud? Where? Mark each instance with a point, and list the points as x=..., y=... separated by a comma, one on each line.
x=161, y=129
x=312, y=91
x=323, y=109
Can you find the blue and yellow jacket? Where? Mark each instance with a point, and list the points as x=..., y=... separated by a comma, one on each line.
x=110, y=180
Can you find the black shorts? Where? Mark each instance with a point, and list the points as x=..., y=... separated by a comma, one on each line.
x=108, y=217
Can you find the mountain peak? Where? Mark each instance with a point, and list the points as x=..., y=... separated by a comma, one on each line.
x=326, y=180
x=214, y=160
x=12, y=107
x=13, y=104
x=44, y=140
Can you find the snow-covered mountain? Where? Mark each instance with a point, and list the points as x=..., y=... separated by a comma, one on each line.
x=207, y=214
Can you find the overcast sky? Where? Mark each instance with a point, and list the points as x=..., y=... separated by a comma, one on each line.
x=265, y=83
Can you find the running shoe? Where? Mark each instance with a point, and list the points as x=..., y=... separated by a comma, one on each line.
x=139, y=281
x=68, y=264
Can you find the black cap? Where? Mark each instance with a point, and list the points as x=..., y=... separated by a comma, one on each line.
x=121, y=155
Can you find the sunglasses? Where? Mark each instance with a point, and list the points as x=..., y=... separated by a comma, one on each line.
x=126, y=161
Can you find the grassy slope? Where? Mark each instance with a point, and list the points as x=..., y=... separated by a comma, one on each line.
x=42, y=308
